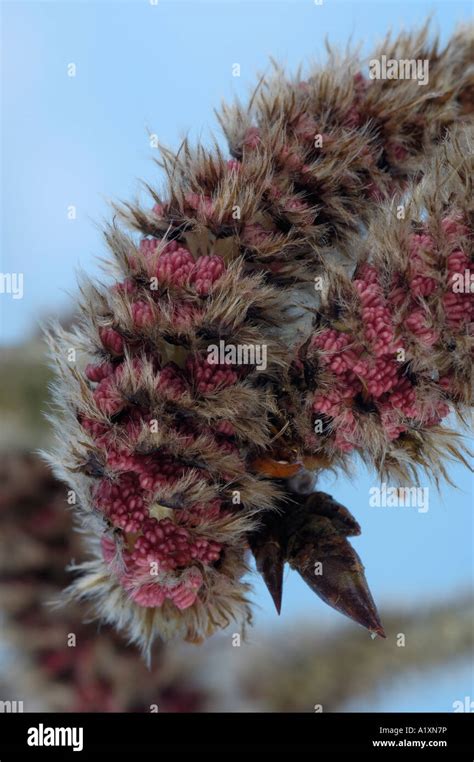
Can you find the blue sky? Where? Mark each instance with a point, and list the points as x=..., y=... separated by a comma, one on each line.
x=83, y=141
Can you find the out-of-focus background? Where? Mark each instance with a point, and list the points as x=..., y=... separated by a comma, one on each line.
x=70, y=145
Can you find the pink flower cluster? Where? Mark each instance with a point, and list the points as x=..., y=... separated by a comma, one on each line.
x=122, y=502
x=111, y=340
x=176, y=266
x=108, y=396
x=171, y=546
x=457, y=302
x=160, y=559
x=183, y=593
x=206, y=377
x=376, y=315
x=132, y=480
x=458, y=309
x=366, y=368
x=420, y=283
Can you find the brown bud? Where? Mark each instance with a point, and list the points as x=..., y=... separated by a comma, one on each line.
x=269, y=552
x=318, y=549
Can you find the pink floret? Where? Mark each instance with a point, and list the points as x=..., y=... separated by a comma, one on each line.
x=416, y=322
x=207, y=377
x=111, y=340
x=206, y=272
x=98, y=372
x=175, y=265
x=142, y=314
x=107, y=396
x=171, y=382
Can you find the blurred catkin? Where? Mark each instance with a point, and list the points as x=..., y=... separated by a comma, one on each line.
x=53, y=660
x=299, y=672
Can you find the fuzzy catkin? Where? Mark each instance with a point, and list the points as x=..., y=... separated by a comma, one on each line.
x=164, y=450
x=394, y=343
